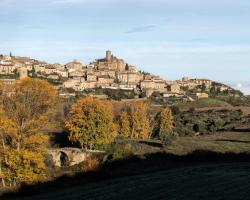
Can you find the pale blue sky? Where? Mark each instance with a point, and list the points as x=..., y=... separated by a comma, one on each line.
x=171, y=38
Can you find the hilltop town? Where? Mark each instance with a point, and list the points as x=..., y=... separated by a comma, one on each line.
x=110, y=73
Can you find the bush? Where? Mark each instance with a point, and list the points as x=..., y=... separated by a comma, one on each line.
x=91, y=164
x=200, y=126
x=121, y=151
x=168, y=138
x=175, y=110
x=183, y=129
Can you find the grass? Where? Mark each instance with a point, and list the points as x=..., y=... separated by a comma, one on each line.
x=181, y=173
x=204, y=103
x=156, y=179
x=221, y=142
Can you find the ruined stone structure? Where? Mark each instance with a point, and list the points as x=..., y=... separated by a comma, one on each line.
x=72, y=156
x=68, y=156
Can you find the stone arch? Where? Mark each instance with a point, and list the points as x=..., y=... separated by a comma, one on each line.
x=64, y=159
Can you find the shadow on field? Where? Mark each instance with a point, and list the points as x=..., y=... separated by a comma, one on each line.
x=242, y=130
x=237, y=141
x=130, y=167
x=151, y=143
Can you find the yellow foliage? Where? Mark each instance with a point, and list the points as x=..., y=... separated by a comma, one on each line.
x=124, y=124
x=166, y=121
x=26, y=113
x=91, y=122
x=134, y=121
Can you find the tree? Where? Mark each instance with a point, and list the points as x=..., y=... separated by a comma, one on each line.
x=124, y=124
x=203, y=87
x=166, y=123
x=138, y=119
x=27, y=112
x=91, y=123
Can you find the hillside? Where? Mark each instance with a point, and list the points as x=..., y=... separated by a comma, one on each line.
x=156, y=177
x=191, y=168
x=110, y=77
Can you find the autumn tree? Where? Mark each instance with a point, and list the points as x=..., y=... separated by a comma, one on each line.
x=26, y=113
x=166, y=122
x=91, y=122
x=134, y=121
x=124, y=124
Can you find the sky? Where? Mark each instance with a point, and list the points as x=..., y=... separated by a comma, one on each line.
x=171, y=38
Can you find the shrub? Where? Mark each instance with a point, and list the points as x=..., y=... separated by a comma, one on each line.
x=91, y=164
x=168, y=138
x=175, y=110
x=184, y=130
x=200, y=126
x=122, y=151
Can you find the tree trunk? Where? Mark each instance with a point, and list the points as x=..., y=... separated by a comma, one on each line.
x=5, y=158
x=1, y=174
x=18, y=144
x=132, y=134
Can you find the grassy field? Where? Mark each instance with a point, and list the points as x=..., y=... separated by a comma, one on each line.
x=192, y=168
x=236, y=142
x=204, y=103
x=217, y=181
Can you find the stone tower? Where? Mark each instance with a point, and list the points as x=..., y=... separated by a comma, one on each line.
x=108, y=55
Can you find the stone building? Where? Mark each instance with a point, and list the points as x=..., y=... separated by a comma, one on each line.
x=110, y=62
x=201, y=95
x=174, y=88
x=206, y=82
x=150, y=84
x=105, y=80
x=76, y=73
x=129, y=77
x=91, y=77
x=74, y=65
x=49, y=69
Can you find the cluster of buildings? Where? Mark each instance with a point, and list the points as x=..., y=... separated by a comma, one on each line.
x=108, y=72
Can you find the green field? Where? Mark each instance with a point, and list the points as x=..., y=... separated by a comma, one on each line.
x=236, y=142
x=204, y=103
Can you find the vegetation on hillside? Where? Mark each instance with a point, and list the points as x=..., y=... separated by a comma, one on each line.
x=26, y=113
x=91, y=123
x=134, y=120
x=29, y=109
